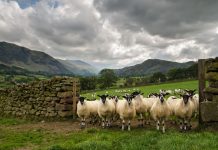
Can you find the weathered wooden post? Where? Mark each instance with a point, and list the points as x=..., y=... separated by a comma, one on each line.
x=201, y=83
x=75, y=96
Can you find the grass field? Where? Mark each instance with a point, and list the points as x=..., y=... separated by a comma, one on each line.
x=23, y=135
x=147, y=89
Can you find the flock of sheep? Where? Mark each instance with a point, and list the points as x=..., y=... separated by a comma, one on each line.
x=110, y=108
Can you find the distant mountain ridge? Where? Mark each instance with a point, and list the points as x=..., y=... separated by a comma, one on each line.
x=151, y=66
x=15, y=56
x=79, y=67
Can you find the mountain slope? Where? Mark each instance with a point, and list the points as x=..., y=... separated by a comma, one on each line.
x=79, y=67
x=35, y=61
x=151, y=66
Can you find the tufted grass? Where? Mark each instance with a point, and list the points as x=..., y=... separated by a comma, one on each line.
x=12, y=121
x=107, y=139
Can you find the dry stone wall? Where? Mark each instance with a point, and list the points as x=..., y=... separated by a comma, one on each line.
x=47, y=99
x=209, y=108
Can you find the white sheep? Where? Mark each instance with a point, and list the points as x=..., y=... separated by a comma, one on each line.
x=172, y=100
x=86, y=109
x=126, y=110
x=153, y=95
x=160, y=112
x=106, y=110
x=149, y=102
x=194, y=98
x=140, y=106
x=184, y=109
x=114, y=99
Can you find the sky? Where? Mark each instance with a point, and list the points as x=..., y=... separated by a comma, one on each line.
x=113, y=33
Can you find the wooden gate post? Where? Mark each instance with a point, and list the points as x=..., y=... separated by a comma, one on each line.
x=75, y=98
x=201, y=83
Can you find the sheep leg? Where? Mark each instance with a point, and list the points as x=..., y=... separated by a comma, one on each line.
x=106, y=122
x=185, y=124
x=82, y=123
x=129, y=123
x=181, y=124
x=123, y=125
x=163, y=124
x=158, y=125
x=148, y=118
x=189, y=124
x=103, y=122
x=141, y=120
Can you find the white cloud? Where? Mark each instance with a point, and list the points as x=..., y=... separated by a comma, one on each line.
x=113, y=33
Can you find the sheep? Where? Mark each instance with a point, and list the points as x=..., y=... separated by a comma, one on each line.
x=86, y=109
x=115, y=99
x=179, y=91
x=152, y=95
x=184, y=109
x=126, y=110
x=140, y=106
x=106, y=110
x=166, y=91
x=194, y=98
x=160, y=111
x=172, y=100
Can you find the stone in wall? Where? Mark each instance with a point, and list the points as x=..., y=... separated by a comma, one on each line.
x=43, y=99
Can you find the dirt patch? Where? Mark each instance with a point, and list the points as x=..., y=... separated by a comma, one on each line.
x=69, y=126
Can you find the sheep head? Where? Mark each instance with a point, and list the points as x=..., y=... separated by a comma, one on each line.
x=185, y=98
x=103, y=98
x=82, y=99
x=137, y=93
x=191, y=92
x=129, y=98
x=161, y=97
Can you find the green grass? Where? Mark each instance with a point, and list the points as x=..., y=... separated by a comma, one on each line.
x=148, y=89
x=12, y=121
x=108, y=139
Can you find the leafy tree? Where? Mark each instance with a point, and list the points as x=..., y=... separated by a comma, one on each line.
x=107, y=78
x=88, y=83
x=192, y=71
x=158, y=77
x=129, y=81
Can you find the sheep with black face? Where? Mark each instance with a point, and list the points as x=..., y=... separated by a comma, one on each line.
x=126, y=110
x=160, y=112
x=184, y=109
x=140, y=106
x=86, y=109
x=194, y=98
x=106, y=110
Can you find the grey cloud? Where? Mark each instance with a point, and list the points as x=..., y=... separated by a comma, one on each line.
x=168, y=18
x=114, y=33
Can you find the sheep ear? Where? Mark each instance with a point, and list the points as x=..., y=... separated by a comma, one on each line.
x=99, y=95
x=124, y=97
x=107, y=95
x=142, y=93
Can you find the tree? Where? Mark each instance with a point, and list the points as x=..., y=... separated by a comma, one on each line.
x=158, y=77
x=107, y=78
x=88, y=83
x=192, y=71
x=129, y=81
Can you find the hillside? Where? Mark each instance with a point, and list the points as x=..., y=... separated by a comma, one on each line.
x=79, y=67
x=151, y=66
x=34, y=61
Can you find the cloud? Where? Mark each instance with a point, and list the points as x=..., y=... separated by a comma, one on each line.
x=113, y=33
